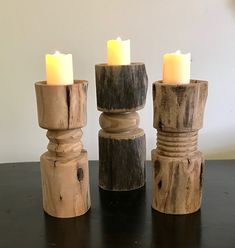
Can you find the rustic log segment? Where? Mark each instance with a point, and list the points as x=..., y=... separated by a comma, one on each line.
x=177, y=183
x=179, y=107
x=60, y=107
x=64, y=168
x=177, y=164
x=122, y=160
x=65, y=185
x=121, y=88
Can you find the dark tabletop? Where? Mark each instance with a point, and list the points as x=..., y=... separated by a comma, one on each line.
x=115, y=219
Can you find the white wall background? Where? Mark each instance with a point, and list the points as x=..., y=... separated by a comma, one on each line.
x=29, y=29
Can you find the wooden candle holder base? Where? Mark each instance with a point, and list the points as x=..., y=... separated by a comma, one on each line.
x=122, y=160
x=177, y=183
x=64, y=167
x=177, y=164
x=121, y=90
x=68, y=182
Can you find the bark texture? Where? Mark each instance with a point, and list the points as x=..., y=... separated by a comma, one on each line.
x=177, y=183
x=179, y=107
x=122, y=161
x=121, y=88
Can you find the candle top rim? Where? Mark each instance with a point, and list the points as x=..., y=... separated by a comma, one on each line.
x=131, y=64
x=178, y=53
x=191, y=83
x=56, y=53
x=118, y=40
x=75, y=82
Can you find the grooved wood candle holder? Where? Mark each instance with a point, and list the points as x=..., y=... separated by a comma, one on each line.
x=121, y=91
x=177, y=164
x=64, y=167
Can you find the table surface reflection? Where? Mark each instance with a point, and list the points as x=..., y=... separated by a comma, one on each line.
x=116, y=219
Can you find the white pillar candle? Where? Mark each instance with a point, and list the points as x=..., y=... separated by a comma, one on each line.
x=59, y=69
x=118, y=52
x=176, y=68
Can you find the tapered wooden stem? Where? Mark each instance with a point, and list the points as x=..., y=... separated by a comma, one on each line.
x=177, y=163
x=121, y=90
x=64, y=167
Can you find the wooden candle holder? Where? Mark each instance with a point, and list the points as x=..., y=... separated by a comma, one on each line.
x=64, y=167
x=177, y=164
x=121, y=91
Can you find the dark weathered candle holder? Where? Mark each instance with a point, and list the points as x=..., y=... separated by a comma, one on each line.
x=177, y=164
x=64, y=167
x=121, y=91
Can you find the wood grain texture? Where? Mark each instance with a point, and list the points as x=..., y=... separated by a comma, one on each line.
x=121, y=88
x=177, y=183
x=61, y=107
x=118, y=123
x=179, y=107
x=65, y=185
x=64, y=145
x=177, y=163
x=122, y=163
x=132, y=134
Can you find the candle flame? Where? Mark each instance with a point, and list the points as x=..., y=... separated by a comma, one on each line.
x=119, y=38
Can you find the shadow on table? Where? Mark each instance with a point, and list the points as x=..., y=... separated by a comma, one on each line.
x=176, y=230
x=70, y=232
x=122, y=217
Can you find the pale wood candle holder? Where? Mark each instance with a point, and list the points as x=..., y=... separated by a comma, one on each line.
x=177, y=164
x=64, y=167
x=121, y=91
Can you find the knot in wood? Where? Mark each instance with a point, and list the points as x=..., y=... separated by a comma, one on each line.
x=119, y=123
x=80, y=174
x=176, y=144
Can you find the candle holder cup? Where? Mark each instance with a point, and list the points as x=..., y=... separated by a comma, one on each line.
x=177, y=164
x=64, y=167
x=121, y=91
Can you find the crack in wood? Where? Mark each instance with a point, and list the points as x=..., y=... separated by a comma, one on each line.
x=80, y=174
x=68, y=96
